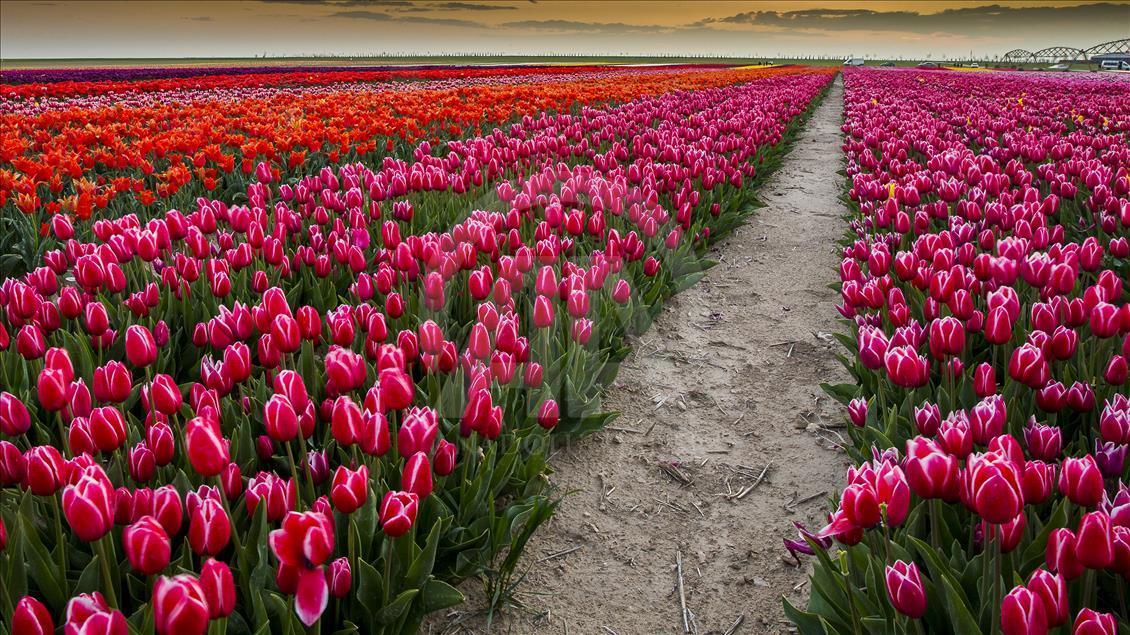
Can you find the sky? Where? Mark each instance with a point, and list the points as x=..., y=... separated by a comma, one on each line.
x=44, y=29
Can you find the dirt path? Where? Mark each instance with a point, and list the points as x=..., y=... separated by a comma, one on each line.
x=724, y=383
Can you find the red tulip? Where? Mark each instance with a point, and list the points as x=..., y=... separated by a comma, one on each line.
x=1022, y=613
x=417, y=476
x=141, y=349
x=88, y=504
x=32, y=618
x=107, y=428
x=209, y=529
x=179, y=606
x=13, y=465
x=398, y=513
x=445, y=458
x=51, y=388
x=905, y=367
x=927, y=419
x=1090, y=622
x=1060, y=554
x=1081, y=481
x=305, y=539
x=1094, y=546
x=1028, y=366
x=340, y=577
x=280, y=419
x=905, y=589
x=14, y=417
x=44, y=471
x=207, y=449
x=146, y=545
x=857, y=412
x=305, y=542
x=219, y=588
x=112, y=382
x=548, y=414
x=90, y=615
x=1052, y=591
x=417, y=432
x=277, y=494
x=1037, y=481
x=350, y=488
x=397, y=389
x=1117, y=371
x=994, y=487
x=930, y=472
x=984, y=380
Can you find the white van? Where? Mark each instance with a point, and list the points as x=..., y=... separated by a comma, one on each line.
x=1114, y=65
x=853, y=61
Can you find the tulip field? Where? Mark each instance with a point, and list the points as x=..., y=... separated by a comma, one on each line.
x=287, y=349
x=984, y=277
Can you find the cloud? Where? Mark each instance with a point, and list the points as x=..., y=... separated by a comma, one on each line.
x=378, y=16
x=470, y=6
x=584, y=27
x=983, y=20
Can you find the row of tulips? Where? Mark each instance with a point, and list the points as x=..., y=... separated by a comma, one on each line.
x=323, y=403
x=102, y=158
x=984, y=279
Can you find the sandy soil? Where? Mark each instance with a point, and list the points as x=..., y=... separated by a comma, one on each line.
x=723, y=439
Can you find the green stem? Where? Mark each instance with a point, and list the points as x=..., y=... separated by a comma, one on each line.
x=104, y=550
x=235, y=536
x=60, y=542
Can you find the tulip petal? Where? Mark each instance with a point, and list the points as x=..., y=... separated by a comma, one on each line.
x=312, y=596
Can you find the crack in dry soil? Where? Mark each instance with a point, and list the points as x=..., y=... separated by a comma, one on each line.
x=725, y=383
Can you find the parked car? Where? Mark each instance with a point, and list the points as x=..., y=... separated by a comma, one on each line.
x=1059, y=67
x=887, y=64
x=927, y=66
x=854, y=61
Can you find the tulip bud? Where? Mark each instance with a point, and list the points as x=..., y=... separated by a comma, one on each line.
x=207, y=449
x=857, y=412
x=1094, y=546
x=905, y=589
x=350, y=488
x=88, y=504
x=280, y=419
x=340, y=577
x=398, y=513
x=141, y=349
x=1090, y=622
x=179, y=606
x=417, y=476
x=219, y=588
x=548, y=414
x=445, y=458
x=209, y=529
x=32, y=618
x=1081, y=481
x=1060, y=554
x=1052, y=591
x=1022, y=613
x=89, y=613
x=14, y=417
x=147, y=546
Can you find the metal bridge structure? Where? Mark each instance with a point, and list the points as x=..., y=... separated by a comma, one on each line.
x=1066, y=54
